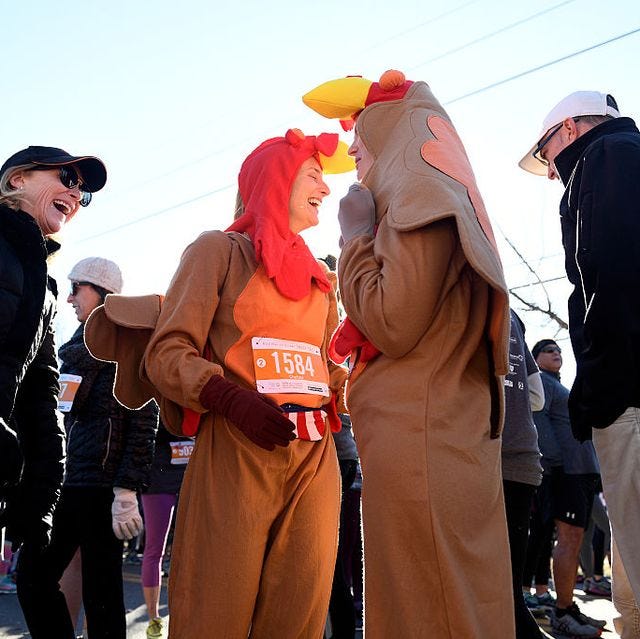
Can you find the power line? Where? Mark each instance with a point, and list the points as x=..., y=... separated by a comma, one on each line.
x=154, y=214
x=491, y=35
x=542, y=66
x=220, y=150
x=422, y=24
x=458, y=99
x=540, y=283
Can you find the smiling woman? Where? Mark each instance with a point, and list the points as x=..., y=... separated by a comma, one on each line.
x=307, y=193
x=49, y=184
x=241, y=342
x=41, y=188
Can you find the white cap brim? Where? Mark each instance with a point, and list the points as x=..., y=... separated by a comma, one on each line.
x=574, y=105
x=530, y=164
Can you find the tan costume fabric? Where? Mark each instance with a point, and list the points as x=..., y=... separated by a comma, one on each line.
x=429, y=293
x=256, y=532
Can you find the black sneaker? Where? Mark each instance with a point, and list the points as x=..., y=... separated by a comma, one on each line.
x=568, y=625
x=575, y=611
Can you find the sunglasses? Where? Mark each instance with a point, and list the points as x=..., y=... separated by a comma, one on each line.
x=69, y=178
x=551, y=349
x=545, y=141
x=76, y=285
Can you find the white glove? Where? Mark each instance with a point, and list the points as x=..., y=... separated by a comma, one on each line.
x=125, y=516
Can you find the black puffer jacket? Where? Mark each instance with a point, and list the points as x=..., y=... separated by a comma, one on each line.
x=107, y=444
x=29, y=374
x=600, y=215
x=166, y=472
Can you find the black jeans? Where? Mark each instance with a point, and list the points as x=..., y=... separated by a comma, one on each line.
x=517, y=499
x=541, y=527
x=341, y=606
x=82, y=519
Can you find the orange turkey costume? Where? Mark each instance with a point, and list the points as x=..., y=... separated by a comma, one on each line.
x=256, y=532
x=428, y=333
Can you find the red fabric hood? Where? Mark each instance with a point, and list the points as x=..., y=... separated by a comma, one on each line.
x=265, y=182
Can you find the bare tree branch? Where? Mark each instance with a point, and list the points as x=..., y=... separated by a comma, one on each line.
x=532, y=306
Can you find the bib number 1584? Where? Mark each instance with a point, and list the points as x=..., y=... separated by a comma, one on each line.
x=292, y=363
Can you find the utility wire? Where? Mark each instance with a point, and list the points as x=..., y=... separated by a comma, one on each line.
x=542, y=66
x=491, y=35
x=154, y=214
x=540, y=283
x=422, y=24
x=220, y=150
x=458, y=99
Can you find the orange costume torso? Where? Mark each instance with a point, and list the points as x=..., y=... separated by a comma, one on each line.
x=254, y=527
x=261, y=311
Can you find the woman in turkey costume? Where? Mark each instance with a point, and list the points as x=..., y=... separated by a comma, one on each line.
x=427, y=334
x=241, y=340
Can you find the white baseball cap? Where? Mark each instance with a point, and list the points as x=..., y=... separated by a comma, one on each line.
x=573, y=106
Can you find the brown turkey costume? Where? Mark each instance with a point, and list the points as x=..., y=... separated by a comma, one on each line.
x=428, y=333
x=256, y=533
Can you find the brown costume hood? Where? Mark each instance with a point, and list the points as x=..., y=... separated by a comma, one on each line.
x=421, y=174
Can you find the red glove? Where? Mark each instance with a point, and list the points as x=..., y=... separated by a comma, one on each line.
x=256, y=415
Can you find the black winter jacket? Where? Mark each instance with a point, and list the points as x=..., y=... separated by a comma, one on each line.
x=600, y=216
x=107, y=444
x=166, y=474
x=29, y=374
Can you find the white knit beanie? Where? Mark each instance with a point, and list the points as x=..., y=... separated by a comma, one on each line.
x=98, y=271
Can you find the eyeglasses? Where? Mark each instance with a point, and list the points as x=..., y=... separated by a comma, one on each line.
x=70, y=180
x=76, y=285
x=543, y=143
x=551, y=349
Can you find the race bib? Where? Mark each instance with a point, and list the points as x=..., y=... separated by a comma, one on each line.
x=69, y=385
x=283, y=366
x=181, y=451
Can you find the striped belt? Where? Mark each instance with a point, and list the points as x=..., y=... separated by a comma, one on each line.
x=310, y=424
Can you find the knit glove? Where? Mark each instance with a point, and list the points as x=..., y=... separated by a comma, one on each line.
x=256, y=415
x=125, y=516
x=11, y=467
x=23, y=525
x=357, y=213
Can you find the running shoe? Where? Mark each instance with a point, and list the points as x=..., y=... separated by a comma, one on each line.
x=531, y=601
x=546, y=600
x=575, y=611
x=7, y=585
x=569, y=625
x=154, y=629
x=597, y=587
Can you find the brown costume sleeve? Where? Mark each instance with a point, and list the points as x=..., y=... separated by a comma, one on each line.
x=173, y=359
x=392, y=285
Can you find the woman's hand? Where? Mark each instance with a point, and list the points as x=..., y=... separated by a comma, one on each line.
x=357, y=213
x=256, y=415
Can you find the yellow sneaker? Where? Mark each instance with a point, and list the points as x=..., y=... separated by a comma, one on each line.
x=154, y=629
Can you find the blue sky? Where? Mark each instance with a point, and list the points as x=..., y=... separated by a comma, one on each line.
x=173, y=95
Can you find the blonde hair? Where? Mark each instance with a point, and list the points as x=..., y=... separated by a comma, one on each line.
x=9, y=195
x=239, y=210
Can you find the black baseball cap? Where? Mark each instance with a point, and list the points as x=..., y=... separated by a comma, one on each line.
x=94, y=173
x=538, y=346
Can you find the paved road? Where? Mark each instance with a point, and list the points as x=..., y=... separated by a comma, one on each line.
x=12, y=624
